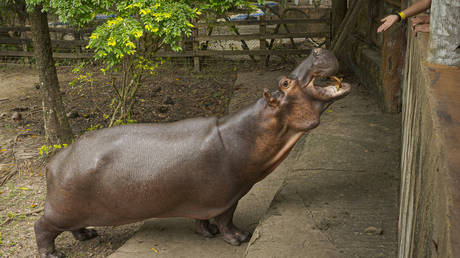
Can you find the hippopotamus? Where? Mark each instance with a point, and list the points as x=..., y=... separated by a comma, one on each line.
x=197, y=168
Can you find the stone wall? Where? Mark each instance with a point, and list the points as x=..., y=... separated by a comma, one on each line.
x=428, y=225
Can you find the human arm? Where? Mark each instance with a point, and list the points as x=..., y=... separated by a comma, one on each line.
x=410, y=11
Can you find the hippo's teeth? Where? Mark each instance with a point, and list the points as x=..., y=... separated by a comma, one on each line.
x=311, y=82
x=338, y=81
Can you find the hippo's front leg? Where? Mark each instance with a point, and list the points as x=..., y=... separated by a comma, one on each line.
x=230, y=232
x=206, y=229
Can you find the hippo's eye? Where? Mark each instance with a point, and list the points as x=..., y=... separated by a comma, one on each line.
x=285, y=84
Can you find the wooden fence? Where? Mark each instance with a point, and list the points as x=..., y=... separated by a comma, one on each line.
x=266, y=29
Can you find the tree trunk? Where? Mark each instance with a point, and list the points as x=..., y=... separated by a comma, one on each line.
x=445, y=32
x=57, y=127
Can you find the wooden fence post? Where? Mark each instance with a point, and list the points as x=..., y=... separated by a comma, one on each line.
x=263, y=31
x=196, y=45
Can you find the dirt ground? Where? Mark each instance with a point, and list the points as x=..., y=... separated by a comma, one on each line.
x=174, y=93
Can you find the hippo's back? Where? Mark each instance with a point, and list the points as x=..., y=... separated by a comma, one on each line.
x=142, y=163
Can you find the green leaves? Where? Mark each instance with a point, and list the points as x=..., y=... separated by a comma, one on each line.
x=115, y=39
x=164, y=21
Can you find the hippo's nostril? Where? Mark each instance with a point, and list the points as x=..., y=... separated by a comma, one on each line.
x=316, y=52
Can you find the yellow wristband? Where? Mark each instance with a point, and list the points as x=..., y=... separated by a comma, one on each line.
x=403, y=16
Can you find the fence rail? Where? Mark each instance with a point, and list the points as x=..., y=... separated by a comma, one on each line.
x=74, y=48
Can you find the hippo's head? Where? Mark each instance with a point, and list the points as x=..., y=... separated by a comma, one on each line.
x=321, y=62
x=298, y=105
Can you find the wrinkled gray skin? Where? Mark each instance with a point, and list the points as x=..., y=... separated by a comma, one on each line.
x=197, y=168
x=319, y=63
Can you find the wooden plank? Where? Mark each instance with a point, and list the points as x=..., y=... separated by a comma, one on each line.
x=347, y=26
x=339, y=10
x=268, y=22
x=178, y=54
x=262, y=31
x=174, y=54
x=264, y=36
x=394, y=2
x=200, y=24
x=52, y=29
x=232, y=52
x=55, y=55
x=196, y=46
x=55, y=43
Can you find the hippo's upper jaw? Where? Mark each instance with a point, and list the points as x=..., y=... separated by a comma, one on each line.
x=321, y=62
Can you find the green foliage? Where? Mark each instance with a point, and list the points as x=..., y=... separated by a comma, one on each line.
x=48, y=150
x=83, y=79
x=94, y=127
x=121, y=122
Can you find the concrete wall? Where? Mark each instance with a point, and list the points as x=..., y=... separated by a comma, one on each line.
x=430, y=209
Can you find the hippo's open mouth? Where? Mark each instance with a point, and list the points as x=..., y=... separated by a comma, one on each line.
x=337, y=81
x=329, y=91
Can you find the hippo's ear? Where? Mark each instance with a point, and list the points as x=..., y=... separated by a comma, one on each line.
x=271, y=101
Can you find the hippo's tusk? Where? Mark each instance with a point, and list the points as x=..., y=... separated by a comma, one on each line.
x=338, y=81
x=311, y=82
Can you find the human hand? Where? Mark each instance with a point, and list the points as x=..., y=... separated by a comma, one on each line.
x=387, y=22
x=421, y=28
x=423, y=19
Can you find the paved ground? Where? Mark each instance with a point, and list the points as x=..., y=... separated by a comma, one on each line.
x=340, y=197
x=335, y=196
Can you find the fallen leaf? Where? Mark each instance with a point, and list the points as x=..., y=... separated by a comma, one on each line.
x=33, y=205
x=23, y=188
x=2, y=150
x=155, y=250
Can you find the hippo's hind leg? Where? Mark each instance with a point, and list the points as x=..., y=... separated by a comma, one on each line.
x=206, y=229
x=230, y=232
x=83, y=234
x=45, y=234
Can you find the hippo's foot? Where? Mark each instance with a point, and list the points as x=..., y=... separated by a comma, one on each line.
x=45, y=233
x=234, y=236
x=54, y=254
x=83, y=234
x=206, y=229
x=230, y=232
